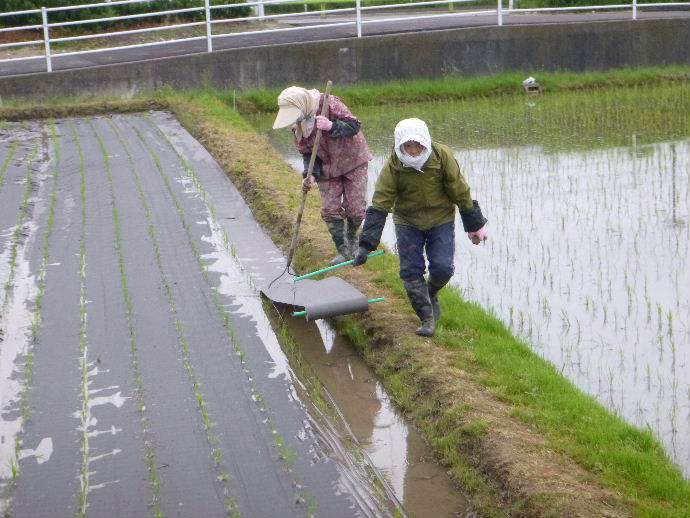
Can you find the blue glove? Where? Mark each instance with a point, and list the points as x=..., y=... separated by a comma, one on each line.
x=361, y=257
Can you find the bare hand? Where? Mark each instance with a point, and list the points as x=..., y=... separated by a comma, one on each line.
x=480, y=235
x=323, y=123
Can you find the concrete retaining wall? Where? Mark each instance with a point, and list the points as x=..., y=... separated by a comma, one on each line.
x=468, y=51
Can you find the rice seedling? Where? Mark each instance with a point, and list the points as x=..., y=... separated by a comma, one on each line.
x=579, y=204
x=211, y=435
x=82, y=498
x=36, y=317
x=20, y=233
x=6, y=163
x=323, y=405
x=154, y=479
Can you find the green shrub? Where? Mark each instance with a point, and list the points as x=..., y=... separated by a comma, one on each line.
x=322, y=5
x=116, y=10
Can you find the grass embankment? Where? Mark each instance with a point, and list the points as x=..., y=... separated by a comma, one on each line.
x=458, y=88
x=520, y=438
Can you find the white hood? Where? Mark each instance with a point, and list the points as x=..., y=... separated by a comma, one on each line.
x=417, y=131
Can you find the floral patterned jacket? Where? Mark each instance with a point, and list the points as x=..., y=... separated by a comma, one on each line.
x=340, y=151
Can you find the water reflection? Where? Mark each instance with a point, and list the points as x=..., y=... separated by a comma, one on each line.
x=396, y=449
x=588, y=266
x=588, y=260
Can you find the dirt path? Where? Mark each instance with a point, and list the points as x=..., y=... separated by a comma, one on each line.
x=140, y=373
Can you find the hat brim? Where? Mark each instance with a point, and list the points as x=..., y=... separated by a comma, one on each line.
x=287, y=115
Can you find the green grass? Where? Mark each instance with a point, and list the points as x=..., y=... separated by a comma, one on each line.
x=215, y=105
x=458, y=87
x=628, y=459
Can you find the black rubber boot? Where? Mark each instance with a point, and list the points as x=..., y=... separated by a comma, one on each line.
x=353, y=235
x=434, y=287
x=337, y=230
x=418, y=293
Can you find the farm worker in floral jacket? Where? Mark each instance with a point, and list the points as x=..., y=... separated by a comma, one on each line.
x=340, y=169
x=421, y=184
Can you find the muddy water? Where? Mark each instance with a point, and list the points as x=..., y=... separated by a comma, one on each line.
x=588, y=198
x=393, y=445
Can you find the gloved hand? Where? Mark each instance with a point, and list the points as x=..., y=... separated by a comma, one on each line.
x=323, y=123
x=308, y=183
x=480, y=235
x=361, y=257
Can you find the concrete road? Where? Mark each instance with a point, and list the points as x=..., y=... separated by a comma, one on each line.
x=303, y=29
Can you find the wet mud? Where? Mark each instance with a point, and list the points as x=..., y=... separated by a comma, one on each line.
x=141, y=372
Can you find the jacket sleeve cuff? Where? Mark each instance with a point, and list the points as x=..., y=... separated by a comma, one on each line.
x=473, y=219
x=372, y=229
x=344, y=128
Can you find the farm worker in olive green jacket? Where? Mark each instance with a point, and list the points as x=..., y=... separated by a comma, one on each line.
x=421, y=184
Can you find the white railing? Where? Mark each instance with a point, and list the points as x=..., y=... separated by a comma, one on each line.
x=357, y=11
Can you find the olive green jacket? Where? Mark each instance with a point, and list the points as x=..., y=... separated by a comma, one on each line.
x=423, y=199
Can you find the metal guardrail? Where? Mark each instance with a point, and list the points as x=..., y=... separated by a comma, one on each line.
x=259, y=15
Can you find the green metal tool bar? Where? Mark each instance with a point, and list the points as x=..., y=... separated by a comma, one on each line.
x=330, y=268
x=304, y=313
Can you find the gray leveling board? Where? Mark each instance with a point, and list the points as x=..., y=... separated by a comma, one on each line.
x=321, y=299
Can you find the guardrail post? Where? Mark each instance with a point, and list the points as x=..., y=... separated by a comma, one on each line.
x=209, y=36
x=634, y=9
x=499, y=12
x=260, y=9
x=358, y=11
x=46, y=39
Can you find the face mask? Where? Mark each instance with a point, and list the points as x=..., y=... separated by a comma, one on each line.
x=308, y=125
x=415, y=162
x=304, y=126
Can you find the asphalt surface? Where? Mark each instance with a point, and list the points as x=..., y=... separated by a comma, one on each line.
x=157, y=384
x=302, y=30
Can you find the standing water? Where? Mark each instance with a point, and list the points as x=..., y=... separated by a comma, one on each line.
x=587, y=196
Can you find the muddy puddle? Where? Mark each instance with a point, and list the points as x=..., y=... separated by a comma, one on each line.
x=393, y=445
x=588, y=200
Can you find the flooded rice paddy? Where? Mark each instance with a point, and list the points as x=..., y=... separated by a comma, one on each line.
x=139, y=370
x=588, y=200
